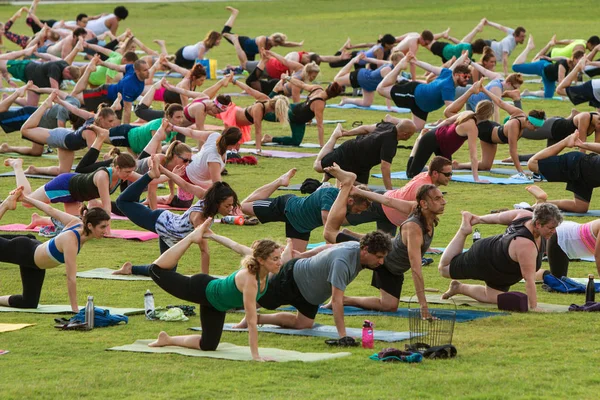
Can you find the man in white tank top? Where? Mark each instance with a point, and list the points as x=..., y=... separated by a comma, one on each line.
x=108, y=22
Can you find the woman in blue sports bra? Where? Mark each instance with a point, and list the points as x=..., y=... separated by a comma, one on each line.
x=34, y=257
x=491, y=134
x=240, y=289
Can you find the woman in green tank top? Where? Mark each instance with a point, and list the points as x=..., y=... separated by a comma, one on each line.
x=240, y=289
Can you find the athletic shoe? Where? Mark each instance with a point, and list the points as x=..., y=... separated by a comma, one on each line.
x=523, y=206
x=537, y=177
x=48, y=231
x=520, y=176
x=426, y=261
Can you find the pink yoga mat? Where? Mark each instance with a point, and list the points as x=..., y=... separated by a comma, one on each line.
x=114, y=233
x=279, y=153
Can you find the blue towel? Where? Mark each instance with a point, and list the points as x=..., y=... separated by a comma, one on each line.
x=589, y=213
x=319, y=330
x=466, y=179
x=373, y=107
x=461, y=315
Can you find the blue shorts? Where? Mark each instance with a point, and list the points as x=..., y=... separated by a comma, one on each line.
x=57, y=189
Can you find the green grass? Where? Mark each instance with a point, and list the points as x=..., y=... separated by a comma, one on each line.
x=517, y=356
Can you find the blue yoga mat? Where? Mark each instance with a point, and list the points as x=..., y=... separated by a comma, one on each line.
x=500, y=162
x=461, y=315
x=441, y=249
x=557, y=98
x=467, y=179
x=589, y=213
x=326, y=331
x=498, y=171
x=374, y=107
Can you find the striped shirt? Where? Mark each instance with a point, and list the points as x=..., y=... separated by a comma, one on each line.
x=173, y=227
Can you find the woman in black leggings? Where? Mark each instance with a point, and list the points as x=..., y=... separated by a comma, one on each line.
x=34, y=257
x=244, y=288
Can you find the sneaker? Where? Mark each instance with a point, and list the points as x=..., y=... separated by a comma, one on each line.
x=520, y=176
x=537, y=177
x=523, y=206
x=48, y=231
x=426, y=261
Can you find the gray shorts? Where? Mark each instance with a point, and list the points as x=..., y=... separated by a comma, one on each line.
x=57, y=137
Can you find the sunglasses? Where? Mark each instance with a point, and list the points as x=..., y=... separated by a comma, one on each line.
x=185, y=160
x=446, y=174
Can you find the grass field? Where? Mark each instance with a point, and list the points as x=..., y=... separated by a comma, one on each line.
x=517, y=356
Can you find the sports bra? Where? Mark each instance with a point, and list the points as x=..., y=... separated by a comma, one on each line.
x=186, y=112
x=501, y=136
x=302, y=114
x=249, y=116
x=53, y=251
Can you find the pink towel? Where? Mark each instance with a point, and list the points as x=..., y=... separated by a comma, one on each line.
x=114, y=233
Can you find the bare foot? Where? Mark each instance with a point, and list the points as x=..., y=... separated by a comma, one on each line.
x=513, y=94
x=337, y=132
x=163, y=340
x=232, y=10
x=242, y=324
x=347, y=44
x=284, y=180
x=230, y=36
x=530, y=44
x=327, y=306
x=455, y=164
x=32, y=169
x=154, y=171
x=538, y=193
x=159, y=42
x=572, y=138
x=574, y=112
x=343, y=177
x=466, y=226
x=526, y=92
x=124, y=270
x=10, y=202
x=14, y=163
x=453, y=289
x=4, y=147
x=343, y=101
x=267, y=138
x=36, y=220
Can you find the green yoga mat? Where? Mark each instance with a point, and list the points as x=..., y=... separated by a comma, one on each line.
x=467, y=301
x=65, y=309
x=228, y=351
x=107, y=273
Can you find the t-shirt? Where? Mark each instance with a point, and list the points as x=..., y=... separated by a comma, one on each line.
x=366, y=151
x=567, y=51
x=198, y=170
x=130, y=86
x=98, y=77
x=481, y=96
x=431, y=96
x=304, y=213
x=140, y=136
x=57, y=113
x=40, y=73
x=589, y=166
x=455, y=50
x=596, y=88
x=336, y=266
x=506, y=45
x=409, y=193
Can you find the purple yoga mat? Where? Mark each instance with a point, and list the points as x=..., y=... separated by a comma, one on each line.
x=279, y=153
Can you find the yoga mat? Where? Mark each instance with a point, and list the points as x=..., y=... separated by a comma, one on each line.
x=442, y=249
x=44, y=155
x=279, y=153
x=467, y=179
x=303, y=145
x=114, y=233
x=371, y=108
x=13, y=327
x=118, y=217
x=326, y=331
x=589, y=213
x=557, y=98
x=499, y=171
x=107, y=273
x=315, y=245
x=297, y=186
x=11, y=174
x=228, y=351
x=461, y=315
x=65, y=309
x=329, y=121
x=467, y=301
x=500, y=162
x=585, y=280
x=168, y=207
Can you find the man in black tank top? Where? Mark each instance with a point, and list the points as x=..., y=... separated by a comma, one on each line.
x=580, y=171
x=501, y=260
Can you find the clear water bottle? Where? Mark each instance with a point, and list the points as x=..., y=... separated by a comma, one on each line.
x=476, y=235
x=367, y=334
x=590, y=290
x=233, y=220
x=89, y=312
x=149, y=304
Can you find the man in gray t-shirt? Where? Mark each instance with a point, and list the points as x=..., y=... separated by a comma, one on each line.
x=504, y=47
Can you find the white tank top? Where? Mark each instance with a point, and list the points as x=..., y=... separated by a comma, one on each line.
x=570, y=241
x=191, y=52
x=98, y=26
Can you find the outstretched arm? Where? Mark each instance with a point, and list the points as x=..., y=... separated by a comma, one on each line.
x=456, y=106
x=502, y=28
x=509, y=108
x=503, y=218
x=491, y=75
x=229, y=243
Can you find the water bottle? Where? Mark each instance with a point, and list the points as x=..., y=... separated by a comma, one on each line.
x=89, y=312
x=233, y=220
x=149, y=304
x=590, y=290
x=367, y=335
x=476, y=235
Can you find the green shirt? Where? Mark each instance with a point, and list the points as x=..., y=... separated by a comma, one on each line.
x=140, y=136
x=224, y=295
x=567, y=51
x=98, y=77
x=304, y=213
x=455, y=50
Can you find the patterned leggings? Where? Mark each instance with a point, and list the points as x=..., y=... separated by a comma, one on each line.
x=20, y=40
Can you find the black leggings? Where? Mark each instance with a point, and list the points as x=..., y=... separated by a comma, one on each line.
x=20, y=250
x=558, y=260
x=266, y=85
x=343, y=63
x=193, y=288
x=428, y=145
x=147, y=114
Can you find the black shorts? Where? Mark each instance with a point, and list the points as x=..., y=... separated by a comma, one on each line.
x=566, y=168
x=273, y=210
x=92, y=98
x=119, y=135
x=354, y=79
x=390, y=283
x=403, y=95
x=376, y=214
x=583, y=93
x=467, y=266
x=183, y=62
x=12, y=121
x=437, y=48
x=283, y=290
x=335, y=157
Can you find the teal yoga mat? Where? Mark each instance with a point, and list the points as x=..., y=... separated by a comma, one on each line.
x=468, y=179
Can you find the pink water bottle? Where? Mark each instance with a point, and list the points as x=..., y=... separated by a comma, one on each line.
x=367, y=334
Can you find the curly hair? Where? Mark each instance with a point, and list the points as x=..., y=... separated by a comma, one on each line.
x=376, y=242
x=260, y=249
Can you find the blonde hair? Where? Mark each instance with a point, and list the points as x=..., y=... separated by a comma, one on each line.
x=464, y=117
x=75, y=72
x=278, y=38
x=310, y=68
x=396, y=56
x=514, y=79
x=260, y=249
x=281, y=105
x=484, y=110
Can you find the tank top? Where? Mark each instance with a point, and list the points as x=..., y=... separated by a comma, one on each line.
x=173, y=227
x=224, y=295
x=448, y=140
x=562, y=127
x=190, y=53
x=53, y=251
x=301, y=112
x=397, y=260
x=186, y=112
x=98, y=26
x=370, y=53
x=83, y=188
